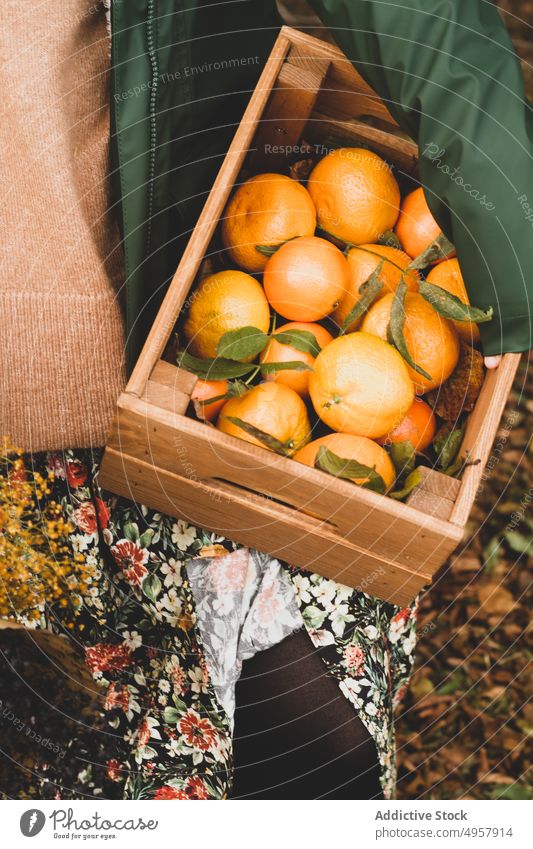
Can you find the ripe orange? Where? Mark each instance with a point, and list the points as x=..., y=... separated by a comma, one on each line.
x=203, y=391
x=226, y=300
x=431, y=339
x=418, y=427
x=360, y=385
x=265, y=210
x=306, y=278
x=363, y=261
x=357, y=199
x=448, y=276
x=416, y=228
x=273, y=408
x=350, y=447
x=277, y=352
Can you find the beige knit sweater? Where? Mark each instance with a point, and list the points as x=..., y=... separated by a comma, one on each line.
x=61, y=264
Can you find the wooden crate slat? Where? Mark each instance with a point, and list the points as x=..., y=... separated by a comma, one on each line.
x=207, y=222
x=381, y=525
x=158, y=455
x=404, y=152
x=481, y=429
x=170, y=387
x=286, y=114
x=263, y=525
x=436, y=494
x=168, y=374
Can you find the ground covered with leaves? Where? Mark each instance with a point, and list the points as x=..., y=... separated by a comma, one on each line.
x=466, y=727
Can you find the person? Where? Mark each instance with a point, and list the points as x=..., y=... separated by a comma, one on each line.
x=224, y=652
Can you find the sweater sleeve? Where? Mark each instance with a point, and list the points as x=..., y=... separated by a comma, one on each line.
x=448, y=73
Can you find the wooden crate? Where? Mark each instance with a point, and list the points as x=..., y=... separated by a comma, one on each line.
x=159, y=456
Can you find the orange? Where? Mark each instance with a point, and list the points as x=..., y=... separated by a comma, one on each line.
x=418, y=427
x=273, y=408
x=277, y=352
x=203, y=391
x=363, y=261
x=357, y=199
x=306, y=278
x=350, y=447
x=448, y=276
x=224, y=301
x=431, y=339
x=265, y=210
x=416, y=228
x=361, y=385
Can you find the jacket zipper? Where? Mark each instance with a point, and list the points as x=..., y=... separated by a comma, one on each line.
x=151, y=42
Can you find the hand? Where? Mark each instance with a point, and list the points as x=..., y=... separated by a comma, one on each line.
x=493, y=362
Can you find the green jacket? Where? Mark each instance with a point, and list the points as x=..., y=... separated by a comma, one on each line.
x=183, y=72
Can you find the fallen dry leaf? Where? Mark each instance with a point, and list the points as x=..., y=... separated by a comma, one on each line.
x=495, y=599
x=459, y=393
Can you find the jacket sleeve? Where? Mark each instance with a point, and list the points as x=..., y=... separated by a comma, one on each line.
x=449, y=75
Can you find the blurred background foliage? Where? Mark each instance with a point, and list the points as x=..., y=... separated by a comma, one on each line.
x=466, y=727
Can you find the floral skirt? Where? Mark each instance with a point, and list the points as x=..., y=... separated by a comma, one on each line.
x=129, y=602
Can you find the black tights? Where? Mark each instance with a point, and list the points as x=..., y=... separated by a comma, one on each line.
x=296, y=735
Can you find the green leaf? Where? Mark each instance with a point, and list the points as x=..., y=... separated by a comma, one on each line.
x=269, y=250
x=403, y=456
x=206, y=401
x=290, y=365
x=340, y=467
x=512, y=791
x=412, y=480
x=151, y=586
x=146, y=537
x=368, y=291
x=214, y=369
x=390, y=238
x=301, y=340
x=459, y=465
x=447, y=447
x=491, y=554
x=131, y=531
x=454, y=683
x=285, y=448
x=438, y=249
x=519, y=543
x=242, y=344
x=171, y=715
x=395, y=328
x=235, y=389
x=450, y=306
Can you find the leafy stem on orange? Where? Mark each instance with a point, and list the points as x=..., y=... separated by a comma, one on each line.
x=327, y=461
x=390, y=239
x=369, y=291
x=286, y=449
x=288, y=365
x=235, y=389
x=440, y=248
x=367, y=250
x=412, y=480
x=395, y=335
x=270, y=250
x=450, y=306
